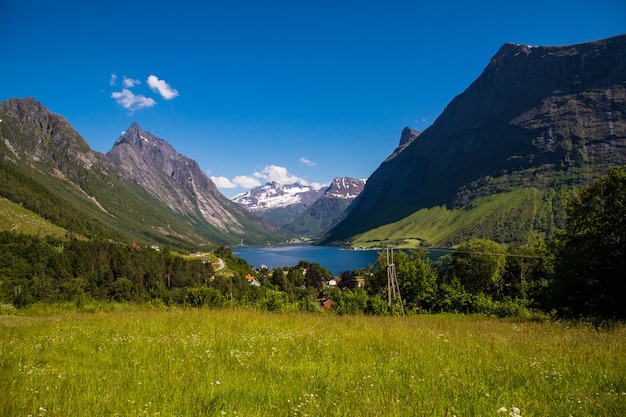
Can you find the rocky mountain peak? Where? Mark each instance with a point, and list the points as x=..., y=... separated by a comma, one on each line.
x=273, y=195
x=172, y=178
x=329, y=209
x=408, y=135
x=509, y=51
x=279, y=203
x=139, y=138
x=348, y=188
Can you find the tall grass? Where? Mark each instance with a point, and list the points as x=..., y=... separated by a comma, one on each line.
x=178, y=362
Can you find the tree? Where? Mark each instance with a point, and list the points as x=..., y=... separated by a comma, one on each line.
x=479, y=264
x=313, y=278
x=348, y=280
x=278, y=277
x=350, y=302
x=590, y=266
x=527, y=274
x=416, y=278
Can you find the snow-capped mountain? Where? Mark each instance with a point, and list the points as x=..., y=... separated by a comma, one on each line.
x=280, y=203
x=273, y=195
x=302, y=209
x=347, y=188
x=329, y=209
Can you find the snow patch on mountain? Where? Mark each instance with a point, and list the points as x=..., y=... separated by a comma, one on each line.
x=346, y=188
x=273, y=195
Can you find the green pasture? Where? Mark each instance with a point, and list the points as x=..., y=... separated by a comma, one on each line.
x=135, y=361
x=518, y=216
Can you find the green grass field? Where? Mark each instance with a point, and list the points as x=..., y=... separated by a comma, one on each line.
x=195, y=362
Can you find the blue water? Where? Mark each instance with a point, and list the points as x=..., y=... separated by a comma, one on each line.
x=334, y=259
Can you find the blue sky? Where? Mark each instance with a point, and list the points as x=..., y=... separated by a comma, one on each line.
x=270, y=90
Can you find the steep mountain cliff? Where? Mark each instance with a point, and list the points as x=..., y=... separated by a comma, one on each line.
x=328, y=210
x=536, y=121
x=177, y=182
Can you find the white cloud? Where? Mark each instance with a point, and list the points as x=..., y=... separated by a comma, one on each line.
x=275, y=173
x=307, y=162
x=162, y=87
x=130, y=83
x=113, y=80
x=130, y=101
x=223, y=182
x=246, y=181
x=271, y=173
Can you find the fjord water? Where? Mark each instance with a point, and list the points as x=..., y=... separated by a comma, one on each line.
x=336, y=260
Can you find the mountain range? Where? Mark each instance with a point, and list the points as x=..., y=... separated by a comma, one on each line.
x=142, y=190
x=279, y=203
x=302, y=210
x=497, y=164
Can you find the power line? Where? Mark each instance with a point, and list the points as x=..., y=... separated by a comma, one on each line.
x=494, y=253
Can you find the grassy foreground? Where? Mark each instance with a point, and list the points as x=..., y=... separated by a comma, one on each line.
x=184, y=362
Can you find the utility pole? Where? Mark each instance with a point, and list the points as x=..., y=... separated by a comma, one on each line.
x=393, y=290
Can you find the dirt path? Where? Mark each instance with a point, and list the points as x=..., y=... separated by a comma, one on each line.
x=220, y=265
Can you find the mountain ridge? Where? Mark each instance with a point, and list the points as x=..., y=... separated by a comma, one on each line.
x=537, y=121
x=537, y=117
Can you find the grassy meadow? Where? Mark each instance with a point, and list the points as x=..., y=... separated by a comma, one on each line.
x=442, y=226
x=134, y=361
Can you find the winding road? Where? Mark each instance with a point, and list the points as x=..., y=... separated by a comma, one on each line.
x=220, y=265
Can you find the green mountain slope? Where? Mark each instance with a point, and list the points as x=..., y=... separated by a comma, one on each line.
x=526, y=214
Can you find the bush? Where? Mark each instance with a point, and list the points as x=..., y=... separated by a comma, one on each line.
x=274, y=301
x=204, y=297
x=351, y=302
x=7, y=309
x=512, y=308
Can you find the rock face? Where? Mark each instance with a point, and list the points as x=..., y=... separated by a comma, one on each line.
x=537, y=117
x=328, y=210
x=45, y=136
x=174, y=179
